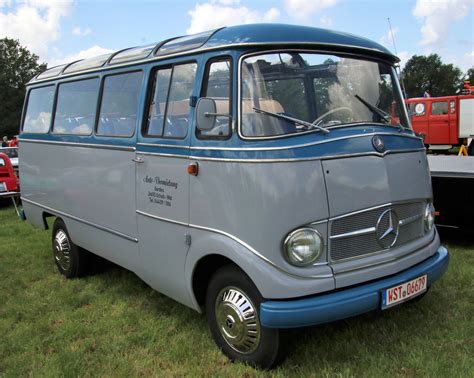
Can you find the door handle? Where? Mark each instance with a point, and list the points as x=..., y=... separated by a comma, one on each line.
x=138, y=160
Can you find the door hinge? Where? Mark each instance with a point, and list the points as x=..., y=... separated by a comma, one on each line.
x=188, y=239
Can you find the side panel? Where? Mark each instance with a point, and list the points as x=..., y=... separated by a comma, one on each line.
x=466, y=117
x=95, y=185
x=260, y=203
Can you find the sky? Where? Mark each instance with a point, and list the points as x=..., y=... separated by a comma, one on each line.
x=67, y=30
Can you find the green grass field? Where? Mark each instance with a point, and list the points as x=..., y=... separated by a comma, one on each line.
x=112, y=324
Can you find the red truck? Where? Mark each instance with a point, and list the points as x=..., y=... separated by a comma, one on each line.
x=444, y=122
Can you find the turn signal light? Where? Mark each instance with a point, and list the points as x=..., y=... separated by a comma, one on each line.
x=193, y=169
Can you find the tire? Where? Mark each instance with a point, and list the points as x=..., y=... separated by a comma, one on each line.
x=231, y=297
x=71, y=260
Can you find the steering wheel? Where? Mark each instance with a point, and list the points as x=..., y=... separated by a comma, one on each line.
x=318, y=120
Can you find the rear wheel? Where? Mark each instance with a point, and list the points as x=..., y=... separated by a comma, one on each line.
x=232, y=306
x=71, y=260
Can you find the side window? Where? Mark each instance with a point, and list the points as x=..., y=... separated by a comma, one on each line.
x=119, y=106
x=217, y=85
x=439, y=108
x=76, y=107
x=168, y=115
x=38, y=110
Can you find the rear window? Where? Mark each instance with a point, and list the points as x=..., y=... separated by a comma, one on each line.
x=76, y=107
x=38, y=110
x=118, y=112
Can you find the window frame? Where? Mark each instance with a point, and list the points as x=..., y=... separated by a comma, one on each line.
x=204, y=85
x=25, y=109
x=99, y=104
x=56, y=97
x=149, y=97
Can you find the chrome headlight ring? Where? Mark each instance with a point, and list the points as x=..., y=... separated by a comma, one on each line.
x=303, y=246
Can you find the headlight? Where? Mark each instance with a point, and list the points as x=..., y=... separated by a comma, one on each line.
x=429, y=217
x=303, y=246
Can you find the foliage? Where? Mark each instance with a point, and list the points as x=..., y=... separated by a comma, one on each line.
x=429, y=74
x=17, y=67
x=112, y=324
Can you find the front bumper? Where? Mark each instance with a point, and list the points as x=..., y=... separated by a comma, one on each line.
x=345, y=303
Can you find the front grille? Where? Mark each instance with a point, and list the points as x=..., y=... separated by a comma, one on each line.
x=356, y=235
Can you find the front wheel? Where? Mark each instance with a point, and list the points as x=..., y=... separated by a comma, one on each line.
x=232, y=307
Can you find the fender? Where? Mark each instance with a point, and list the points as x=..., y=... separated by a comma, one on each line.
x=272, y=282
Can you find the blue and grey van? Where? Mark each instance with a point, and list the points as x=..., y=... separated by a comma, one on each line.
x=266, y=175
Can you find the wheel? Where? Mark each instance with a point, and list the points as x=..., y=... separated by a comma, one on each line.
x=232, y=307
x=71, y=260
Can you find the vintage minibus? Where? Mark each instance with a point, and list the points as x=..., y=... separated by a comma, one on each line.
x=266, y=175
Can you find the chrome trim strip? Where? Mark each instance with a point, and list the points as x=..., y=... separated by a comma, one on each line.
x=415, y=200
x=163, y=145
x=162, y=154
x=321, y=49
x=403, y=222
x=103, y=228
x=364, y=231
x=161, y=218
x=239, y=85
x=76, y=144
x=291, y=147
x=328, y=157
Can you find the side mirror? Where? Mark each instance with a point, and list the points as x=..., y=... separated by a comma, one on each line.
x=206, y=114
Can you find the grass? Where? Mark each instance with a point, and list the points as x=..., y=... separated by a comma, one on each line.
x=112, y=324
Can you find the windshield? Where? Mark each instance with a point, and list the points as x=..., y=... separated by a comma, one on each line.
x=287, y=93
x=10, y=152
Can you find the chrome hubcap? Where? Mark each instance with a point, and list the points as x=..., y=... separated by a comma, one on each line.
x=237, y=320
x=61, y=248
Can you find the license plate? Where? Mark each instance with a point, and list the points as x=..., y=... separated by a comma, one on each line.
x=403, y=292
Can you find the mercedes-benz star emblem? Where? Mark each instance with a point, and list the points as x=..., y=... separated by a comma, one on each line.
x=387, y=228
x=378, y=143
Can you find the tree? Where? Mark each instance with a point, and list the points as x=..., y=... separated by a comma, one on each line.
x=429, y=74
x=17, y=67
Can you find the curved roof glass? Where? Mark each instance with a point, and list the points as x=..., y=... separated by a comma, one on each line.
x=55, y=71
x=135, y=53
x=188, y=42
x=87, y=64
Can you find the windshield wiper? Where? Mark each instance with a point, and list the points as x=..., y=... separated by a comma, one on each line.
x=384, y=115
x=295, y=120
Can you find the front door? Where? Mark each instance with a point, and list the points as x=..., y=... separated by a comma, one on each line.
x=162, y=180
x=439, y=123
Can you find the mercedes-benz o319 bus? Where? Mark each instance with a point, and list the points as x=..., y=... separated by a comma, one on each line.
x=264, y=174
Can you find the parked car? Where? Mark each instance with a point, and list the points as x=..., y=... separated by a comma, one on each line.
x=8, y=179
x=12, y=153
